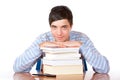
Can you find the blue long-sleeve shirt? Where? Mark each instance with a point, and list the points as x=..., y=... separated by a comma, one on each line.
x=25, y=61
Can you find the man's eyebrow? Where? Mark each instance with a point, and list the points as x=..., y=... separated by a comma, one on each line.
x=53, y=26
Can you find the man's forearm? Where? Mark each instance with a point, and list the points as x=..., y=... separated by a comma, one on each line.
x=94, y=58
x=25, y=61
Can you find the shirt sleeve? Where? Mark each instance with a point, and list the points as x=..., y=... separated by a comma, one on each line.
x=25, y=61
x=99, y=62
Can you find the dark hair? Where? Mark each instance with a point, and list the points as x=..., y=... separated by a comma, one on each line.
x=60, y=12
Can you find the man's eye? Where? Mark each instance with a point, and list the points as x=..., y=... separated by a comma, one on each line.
x=53, y=27
x=64, y=27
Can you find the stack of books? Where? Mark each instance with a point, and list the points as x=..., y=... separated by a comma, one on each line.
x=60, y=61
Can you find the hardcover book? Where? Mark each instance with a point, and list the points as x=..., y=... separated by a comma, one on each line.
x=62, y=61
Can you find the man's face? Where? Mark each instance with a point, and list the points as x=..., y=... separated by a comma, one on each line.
x=60, y=30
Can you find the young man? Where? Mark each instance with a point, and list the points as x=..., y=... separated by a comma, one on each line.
x=61, y=20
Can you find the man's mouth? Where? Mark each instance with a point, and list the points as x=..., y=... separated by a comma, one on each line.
x=59, y=37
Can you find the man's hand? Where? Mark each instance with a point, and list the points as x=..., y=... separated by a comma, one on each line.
x=52, y=44
x=49, y=44
x=61, y=44
x=72, y=43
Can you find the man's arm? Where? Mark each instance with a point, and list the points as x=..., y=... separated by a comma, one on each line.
x=99, y=62
x=61, y=44
x=25, y=61
x=49, y=44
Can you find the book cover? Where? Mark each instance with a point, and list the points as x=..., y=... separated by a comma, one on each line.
x=60, y=50
x=65, y=56
x=62, y=62
x=64, y=69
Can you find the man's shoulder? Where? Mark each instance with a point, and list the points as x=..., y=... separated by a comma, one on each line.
x=45, y=35
x=77, y=33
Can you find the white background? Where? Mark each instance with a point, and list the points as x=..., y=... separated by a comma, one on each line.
x=21, y=21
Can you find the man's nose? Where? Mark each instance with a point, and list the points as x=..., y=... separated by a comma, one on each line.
x=59, y=31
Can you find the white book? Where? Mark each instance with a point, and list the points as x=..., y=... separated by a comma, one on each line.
x=62, y=62
x=62, y=56
x=61, y=50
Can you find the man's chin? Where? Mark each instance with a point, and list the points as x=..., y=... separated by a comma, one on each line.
x=59, y=40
